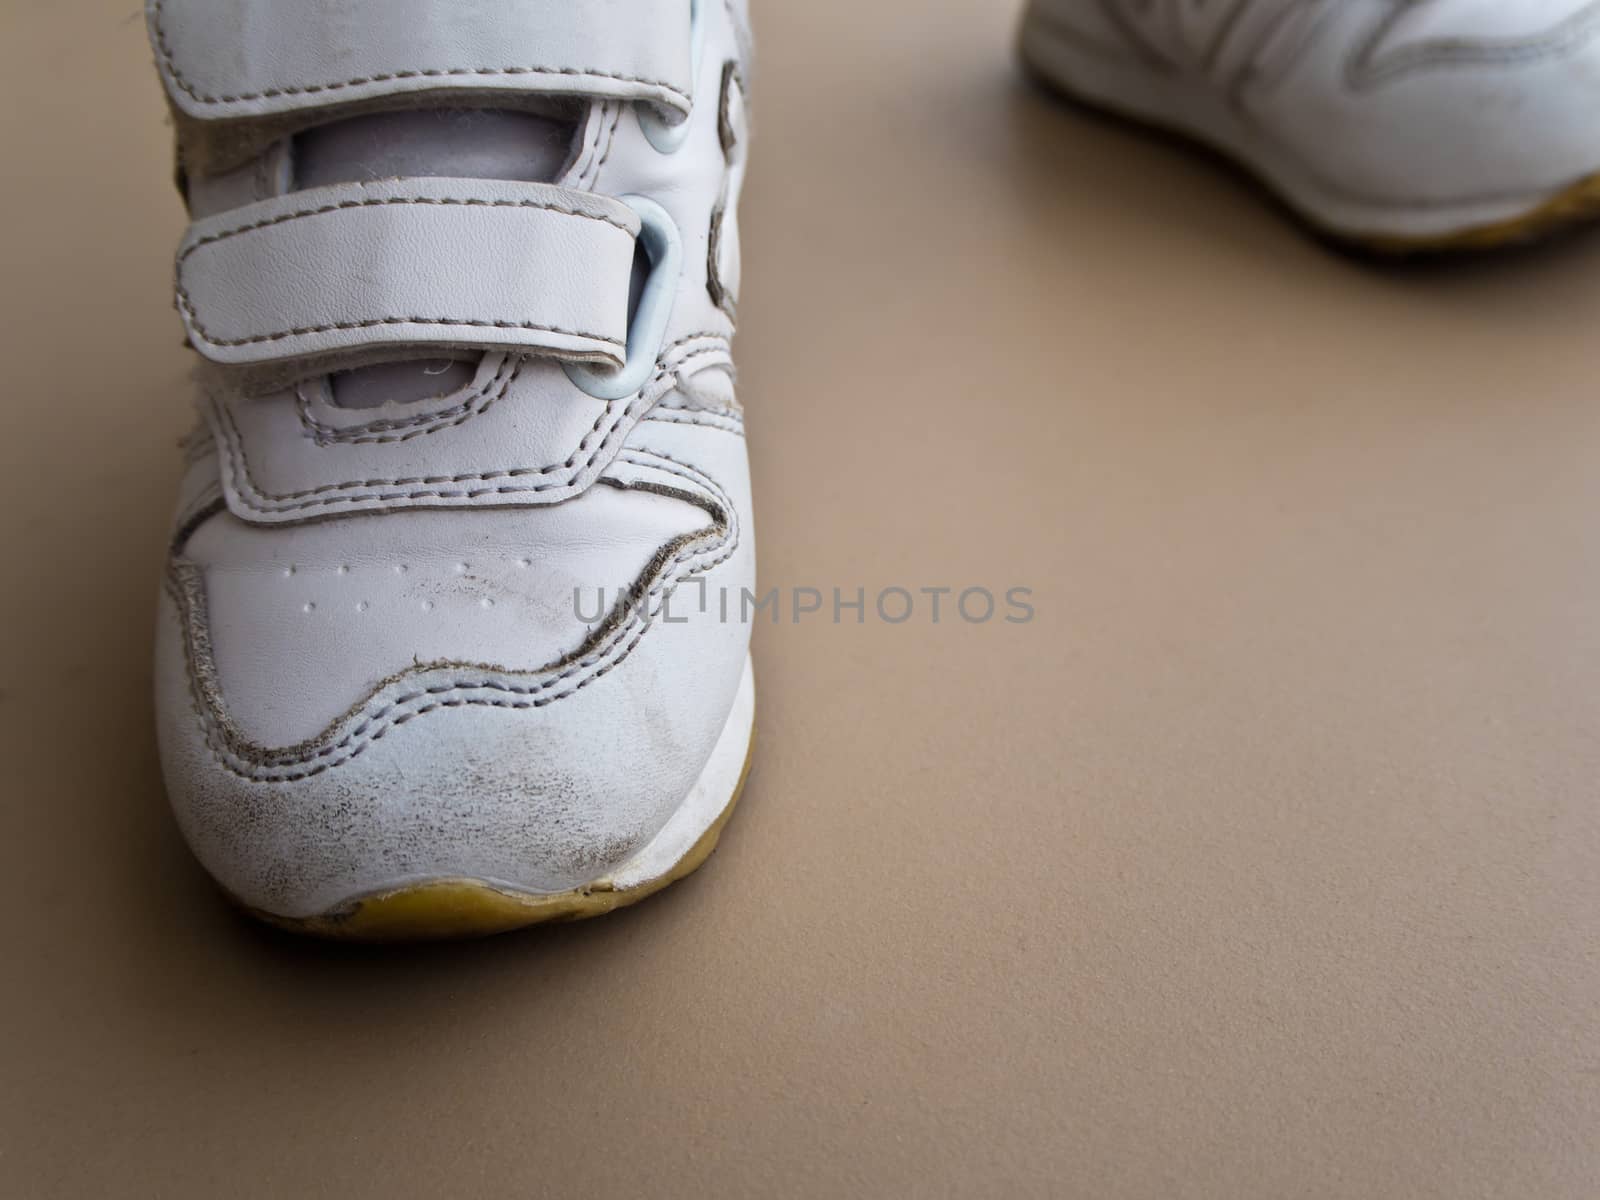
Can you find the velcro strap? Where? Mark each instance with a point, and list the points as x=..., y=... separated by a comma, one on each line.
x=252, y=59
x=352, y=269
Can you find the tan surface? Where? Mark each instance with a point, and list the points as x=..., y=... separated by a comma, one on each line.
x=1265, y=863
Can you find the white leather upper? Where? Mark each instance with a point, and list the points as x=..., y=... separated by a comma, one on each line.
x=287, y=606
x=370, y=666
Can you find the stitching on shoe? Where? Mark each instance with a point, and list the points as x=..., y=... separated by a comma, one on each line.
x=611, y=144
x=429, y=486
x=644, y=456
x=182, y=81
x=354, y=492
x=693, y=364
x=724, y=419
x=594, y=136
x=188, y=305
x=380, y=201
x=387, y=432
x=248, y=760
x=1368, y=68
x=583, y=155
x=680, y=351
x=379, y=322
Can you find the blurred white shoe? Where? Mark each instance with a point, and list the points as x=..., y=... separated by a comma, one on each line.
x=1399, y=124
x=462, y=281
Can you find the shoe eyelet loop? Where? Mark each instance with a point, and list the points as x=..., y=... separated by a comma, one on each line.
x=647, y=333
x=669, y=138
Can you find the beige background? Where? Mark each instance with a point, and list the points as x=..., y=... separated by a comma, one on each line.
x=1265, y=863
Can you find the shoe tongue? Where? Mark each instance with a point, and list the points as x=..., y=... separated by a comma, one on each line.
x=449, y=143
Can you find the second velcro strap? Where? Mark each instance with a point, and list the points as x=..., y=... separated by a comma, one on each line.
x=353, y=271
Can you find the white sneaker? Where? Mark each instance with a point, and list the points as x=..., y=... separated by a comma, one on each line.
x=1401, y=124
x=462, y=278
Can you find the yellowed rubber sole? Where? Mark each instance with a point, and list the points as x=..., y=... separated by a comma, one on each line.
x=451, y=909
x=1577, y=205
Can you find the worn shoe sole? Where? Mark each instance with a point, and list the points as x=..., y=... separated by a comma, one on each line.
x=1063, y=66
x=445, y=909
